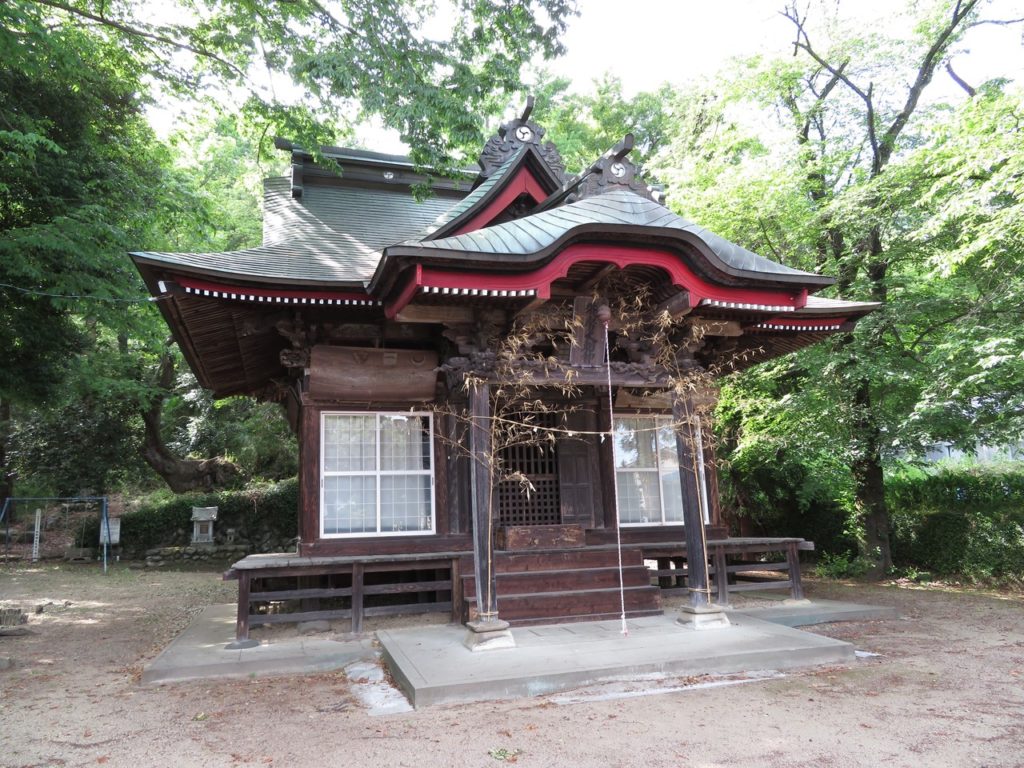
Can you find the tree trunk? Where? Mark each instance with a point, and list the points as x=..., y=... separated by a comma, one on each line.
x=869, y=483
x=6, y=475
x=181, y=475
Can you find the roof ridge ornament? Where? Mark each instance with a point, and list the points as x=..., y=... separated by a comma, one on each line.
x=614, y=169
x=610, y=170
x=511, y=137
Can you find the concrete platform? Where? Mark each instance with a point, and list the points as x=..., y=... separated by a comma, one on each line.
x=433, y=667
x=547, y=658
x=199, y=653
x=808, y=613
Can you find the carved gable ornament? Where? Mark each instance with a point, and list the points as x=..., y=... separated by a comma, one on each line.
x=514, y=135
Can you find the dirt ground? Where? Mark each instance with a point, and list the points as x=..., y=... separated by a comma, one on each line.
x=946, y=690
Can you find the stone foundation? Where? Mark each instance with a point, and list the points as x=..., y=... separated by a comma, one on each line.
x=163, y=555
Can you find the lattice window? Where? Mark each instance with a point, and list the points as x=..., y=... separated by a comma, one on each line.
x=647, y=472
x=377, y=474
x=539, y=463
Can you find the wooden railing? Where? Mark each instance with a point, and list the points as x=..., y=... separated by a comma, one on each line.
x=671, y=570
x=255, y=571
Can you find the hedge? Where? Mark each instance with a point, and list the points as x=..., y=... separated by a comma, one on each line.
x=264, y=517
x=967, y=521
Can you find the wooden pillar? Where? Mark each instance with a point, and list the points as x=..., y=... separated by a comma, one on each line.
x=704, y=403
x=687, y=444
x=309, y=479
x=796, y=587
x=242, y=639
x=357, y=598
x=721, y=576
x=482, y=501
x=242, y=620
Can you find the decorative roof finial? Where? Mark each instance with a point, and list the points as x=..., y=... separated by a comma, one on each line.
x=614, y=169
x=515, y=134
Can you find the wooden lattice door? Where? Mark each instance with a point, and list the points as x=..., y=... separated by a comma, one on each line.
x=539, y=463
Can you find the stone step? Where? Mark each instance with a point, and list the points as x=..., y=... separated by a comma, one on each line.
x=564, y=559
x=570, y=580
x=552, y=607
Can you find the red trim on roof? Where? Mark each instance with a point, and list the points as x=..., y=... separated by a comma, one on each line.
x=540, y=280
x=524, y=182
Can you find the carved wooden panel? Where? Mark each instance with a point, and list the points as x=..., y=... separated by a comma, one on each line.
x=362, y=375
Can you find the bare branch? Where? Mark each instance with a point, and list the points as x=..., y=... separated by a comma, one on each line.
x=924, y=76
x=959, y=80
x=995, y=22
x=803, y=42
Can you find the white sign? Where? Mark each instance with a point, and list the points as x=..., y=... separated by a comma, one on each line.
x=114, y=525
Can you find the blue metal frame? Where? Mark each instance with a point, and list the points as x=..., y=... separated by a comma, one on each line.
x=104, y=517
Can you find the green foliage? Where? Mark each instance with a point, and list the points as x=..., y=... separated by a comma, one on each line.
x=71, y=198
x=784, y=471
x=255, y=436
x=585, y=126
x=89, y=445
x=254, y=513
x=431, y=82
x=842, y=565
x=965, y=521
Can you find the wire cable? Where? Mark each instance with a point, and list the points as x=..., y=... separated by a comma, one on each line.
x=112, y=299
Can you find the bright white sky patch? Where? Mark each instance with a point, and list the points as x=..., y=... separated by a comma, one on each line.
x=648, y=42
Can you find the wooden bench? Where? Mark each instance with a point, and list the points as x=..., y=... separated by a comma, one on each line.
x=719, y=552
x=257, y=567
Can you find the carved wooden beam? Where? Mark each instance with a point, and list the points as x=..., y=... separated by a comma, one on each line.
x=703, y=326
x=596, y=278
x=676, y=306
x=419, y=313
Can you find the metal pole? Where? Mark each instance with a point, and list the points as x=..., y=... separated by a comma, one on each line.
x=106, y=525
x=7, y=528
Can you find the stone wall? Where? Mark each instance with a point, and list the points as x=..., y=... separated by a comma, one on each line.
x=198, y=553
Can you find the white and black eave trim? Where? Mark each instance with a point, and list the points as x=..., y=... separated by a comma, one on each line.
x=787, y=327
x=489, y=292
x=742, y=305
x=242, y=296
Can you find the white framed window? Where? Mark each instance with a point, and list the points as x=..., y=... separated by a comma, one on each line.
x=376, y=474
x=647, y=472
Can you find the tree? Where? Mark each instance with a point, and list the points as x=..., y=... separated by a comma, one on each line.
x=71, y=201
x=584, y=126
x=861, y=183
x=350, y=58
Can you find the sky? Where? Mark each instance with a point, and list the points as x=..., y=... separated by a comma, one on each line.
x=649, y=42
x=677, y=41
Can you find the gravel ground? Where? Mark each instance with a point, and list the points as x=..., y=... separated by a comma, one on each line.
x=946, y=690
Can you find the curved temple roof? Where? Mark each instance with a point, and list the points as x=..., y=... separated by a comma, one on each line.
x=360, y=239
x=528, y=239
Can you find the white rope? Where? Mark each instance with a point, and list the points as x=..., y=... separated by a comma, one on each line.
x=615, y=478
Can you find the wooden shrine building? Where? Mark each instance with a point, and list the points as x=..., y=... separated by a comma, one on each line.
x=409, y=340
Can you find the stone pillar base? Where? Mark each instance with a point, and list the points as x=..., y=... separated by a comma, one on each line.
x=488, y=636
x=235, y=645
x=703, y=617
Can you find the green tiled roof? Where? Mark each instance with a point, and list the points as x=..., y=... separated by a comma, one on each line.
x=618, y=207
x=333, y=234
